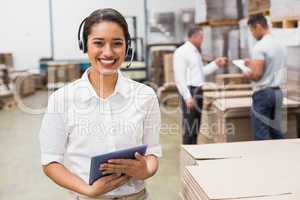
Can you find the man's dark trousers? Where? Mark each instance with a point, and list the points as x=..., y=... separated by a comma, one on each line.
x=192, y=117
x=266, y=114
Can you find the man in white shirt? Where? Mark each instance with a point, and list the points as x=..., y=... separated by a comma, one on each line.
x=189, y=77
x=268, y=74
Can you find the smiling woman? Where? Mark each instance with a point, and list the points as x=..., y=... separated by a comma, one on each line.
x=101, y=98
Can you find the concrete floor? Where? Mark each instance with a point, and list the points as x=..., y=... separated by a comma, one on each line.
x=21, y=177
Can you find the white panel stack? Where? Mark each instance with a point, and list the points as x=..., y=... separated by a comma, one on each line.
x=221, y=9
x=213, y=44
x=283, y=9
x=293, y=75
x=233, y=49
x=200, y=11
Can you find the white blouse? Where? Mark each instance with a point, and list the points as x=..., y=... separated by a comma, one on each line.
x=79, y=125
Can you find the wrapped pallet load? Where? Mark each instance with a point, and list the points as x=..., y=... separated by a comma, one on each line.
x=293, y=73
x=200, y=11
x=284, y=9
x=233, y=50
x=221, y=9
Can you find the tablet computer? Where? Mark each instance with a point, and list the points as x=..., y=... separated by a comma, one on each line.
x=96, y=161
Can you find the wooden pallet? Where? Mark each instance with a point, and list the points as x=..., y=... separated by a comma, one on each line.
x=220, y=23
x=291, y=22
x=260, y=12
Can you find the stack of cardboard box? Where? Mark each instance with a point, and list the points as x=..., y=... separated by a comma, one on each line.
x=157, y=66
x=24, y=83
x=221, y=171
x=168, y=94
x=62, y=72
x=7, y=59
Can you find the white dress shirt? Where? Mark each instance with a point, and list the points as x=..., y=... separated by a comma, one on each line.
x=79, y=125
x=189, y=69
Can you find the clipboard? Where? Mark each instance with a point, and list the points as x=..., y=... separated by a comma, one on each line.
x=96, y=161
x=241, y=65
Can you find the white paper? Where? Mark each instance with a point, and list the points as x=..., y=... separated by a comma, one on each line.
x=241, y=64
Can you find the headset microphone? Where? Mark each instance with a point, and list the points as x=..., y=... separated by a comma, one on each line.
x=131, y=59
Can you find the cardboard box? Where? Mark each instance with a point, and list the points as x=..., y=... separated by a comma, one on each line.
x=7, y=59
x=73, y=72
x=62, y=73
x=24, y=84
x=157, y=66
x=39, y=80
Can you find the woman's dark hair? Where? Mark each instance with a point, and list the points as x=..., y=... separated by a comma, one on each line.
x=107, y=14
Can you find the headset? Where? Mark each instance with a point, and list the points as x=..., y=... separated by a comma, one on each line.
x=83, y=46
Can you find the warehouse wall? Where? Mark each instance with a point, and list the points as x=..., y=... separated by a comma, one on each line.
x=25, y=29
x=169, y=5
x=66, y=25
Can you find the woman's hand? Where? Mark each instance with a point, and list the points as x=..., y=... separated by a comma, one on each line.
x=106, y=184
x=137, y=168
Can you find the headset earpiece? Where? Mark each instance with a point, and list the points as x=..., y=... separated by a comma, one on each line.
x=81, y=43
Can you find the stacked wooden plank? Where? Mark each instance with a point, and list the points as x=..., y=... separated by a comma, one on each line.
x=210, y=86
x=242, y=170
x=233, y=123
x=208, y=124
x=212, y=92
x=226, y=79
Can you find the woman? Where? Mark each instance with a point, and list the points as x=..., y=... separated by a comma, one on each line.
x=100, y=113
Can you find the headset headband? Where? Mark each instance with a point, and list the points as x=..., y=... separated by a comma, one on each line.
x=83, y=46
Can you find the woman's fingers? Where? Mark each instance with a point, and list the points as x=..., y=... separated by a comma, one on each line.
x=111, y=168
x=117, y=182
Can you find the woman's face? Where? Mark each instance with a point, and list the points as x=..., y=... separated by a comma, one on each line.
x=106, y=47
